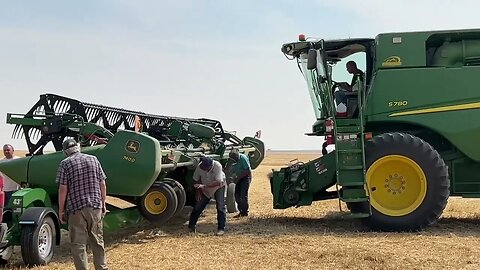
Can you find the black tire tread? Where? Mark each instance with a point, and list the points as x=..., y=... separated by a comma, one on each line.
x=29, y=249
x=172, y=202
x=179, y=191
x=424, y=154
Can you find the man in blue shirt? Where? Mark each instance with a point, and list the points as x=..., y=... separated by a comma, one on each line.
x=243, y=178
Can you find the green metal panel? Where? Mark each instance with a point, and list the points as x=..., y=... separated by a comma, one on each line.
x=255, y=157
x=16, y=169
x=131, y=161
x=312, y=178
x=400, y=50
x=442, y=99
x=411, y=49
x=29, y=196
x=43, y=171
x=117, y=219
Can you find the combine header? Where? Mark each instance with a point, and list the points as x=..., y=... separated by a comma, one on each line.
x=148, y=159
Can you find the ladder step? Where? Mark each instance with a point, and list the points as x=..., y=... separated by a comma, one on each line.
x=350, y=167
x=363, y=199
x=349, y=129
x=352, y=184
x=355, y=215
x=347, y=122
x=350, y=151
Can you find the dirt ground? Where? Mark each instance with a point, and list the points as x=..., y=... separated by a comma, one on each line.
x=313, y=237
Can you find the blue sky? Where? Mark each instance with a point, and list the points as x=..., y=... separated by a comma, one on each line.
x=214, y=59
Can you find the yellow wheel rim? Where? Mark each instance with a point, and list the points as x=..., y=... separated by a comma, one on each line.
x=398, y=185
x=155, y=202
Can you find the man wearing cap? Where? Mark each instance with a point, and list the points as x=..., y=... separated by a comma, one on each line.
x=209, y=182
x=81, y=200
x=242, y=179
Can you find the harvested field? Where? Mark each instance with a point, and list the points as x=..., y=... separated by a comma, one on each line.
x=309, y=237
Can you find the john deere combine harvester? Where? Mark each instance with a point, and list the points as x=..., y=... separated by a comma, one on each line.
x=151, y=169
x=409, y=140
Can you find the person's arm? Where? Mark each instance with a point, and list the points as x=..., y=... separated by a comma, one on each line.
x=62, y=197
x=62, y=192
x=103, y=191
x=101, y=176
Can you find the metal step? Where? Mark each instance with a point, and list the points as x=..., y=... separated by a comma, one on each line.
x=350, y=167
x=365, y=199
x=355, y=215
x=352, y=184
x=350, y=151
x=349, y=129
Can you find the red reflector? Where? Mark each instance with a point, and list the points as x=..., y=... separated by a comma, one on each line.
x=368, y=136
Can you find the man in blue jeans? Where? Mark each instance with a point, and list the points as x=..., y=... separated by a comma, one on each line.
x=209, y=182
x=243, y=177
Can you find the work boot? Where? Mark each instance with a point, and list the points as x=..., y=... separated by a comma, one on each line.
x=239, y=215
x=192, y=229
x=220, y=232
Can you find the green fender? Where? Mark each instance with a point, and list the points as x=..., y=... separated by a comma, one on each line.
x=28, y=197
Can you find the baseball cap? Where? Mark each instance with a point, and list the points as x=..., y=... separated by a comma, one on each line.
x=206, y=163
x=68, y=143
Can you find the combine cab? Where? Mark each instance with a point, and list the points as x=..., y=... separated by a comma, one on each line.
x=404, y=144
x=148, y=159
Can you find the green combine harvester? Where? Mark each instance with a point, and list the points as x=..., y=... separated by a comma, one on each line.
x=148, y=159
x=408, y=140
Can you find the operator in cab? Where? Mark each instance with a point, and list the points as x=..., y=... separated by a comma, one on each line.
x=357, y=79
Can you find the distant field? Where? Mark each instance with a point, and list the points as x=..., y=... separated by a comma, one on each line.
x=304, y=238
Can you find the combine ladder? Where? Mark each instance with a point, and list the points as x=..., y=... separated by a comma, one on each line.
x=350, y=157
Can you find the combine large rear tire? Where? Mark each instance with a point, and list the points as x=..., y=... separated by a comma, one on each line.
x=408, y=182
x=159, y=203
x=179, y=191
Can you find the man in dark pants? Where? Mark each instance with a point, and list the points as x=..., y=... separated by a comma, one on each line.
x=81, y=202
x=209, y=182
x=243, y=178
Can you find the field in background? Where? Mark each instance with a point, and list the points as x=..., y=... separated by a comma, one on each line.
x=312, y=237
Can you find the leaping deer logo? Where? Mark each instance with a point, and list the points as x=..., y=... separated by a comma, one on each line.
x=132, y=146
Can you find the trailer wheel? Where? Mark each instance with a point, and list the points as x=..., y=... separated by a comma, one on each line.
x=38, y=242
x=159, y=203
x=179, y=191
x=230, y=199
x=408, y=182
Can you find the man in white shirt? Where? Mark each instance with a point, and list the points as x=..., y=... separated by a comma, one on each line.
x=209, y=182
x=9, y=186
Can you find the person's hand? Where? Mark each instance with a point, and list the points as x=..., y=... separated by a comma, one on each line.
x=104, y=210
x=342, y=84
x=61, y=216
x=199, y=186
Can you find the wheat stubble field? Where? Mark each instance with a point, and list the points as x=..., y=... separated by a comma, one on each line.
x=312, y=237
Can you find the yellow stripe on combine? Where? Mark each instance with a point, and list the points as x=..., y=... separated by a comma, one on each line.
x=467, y=106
